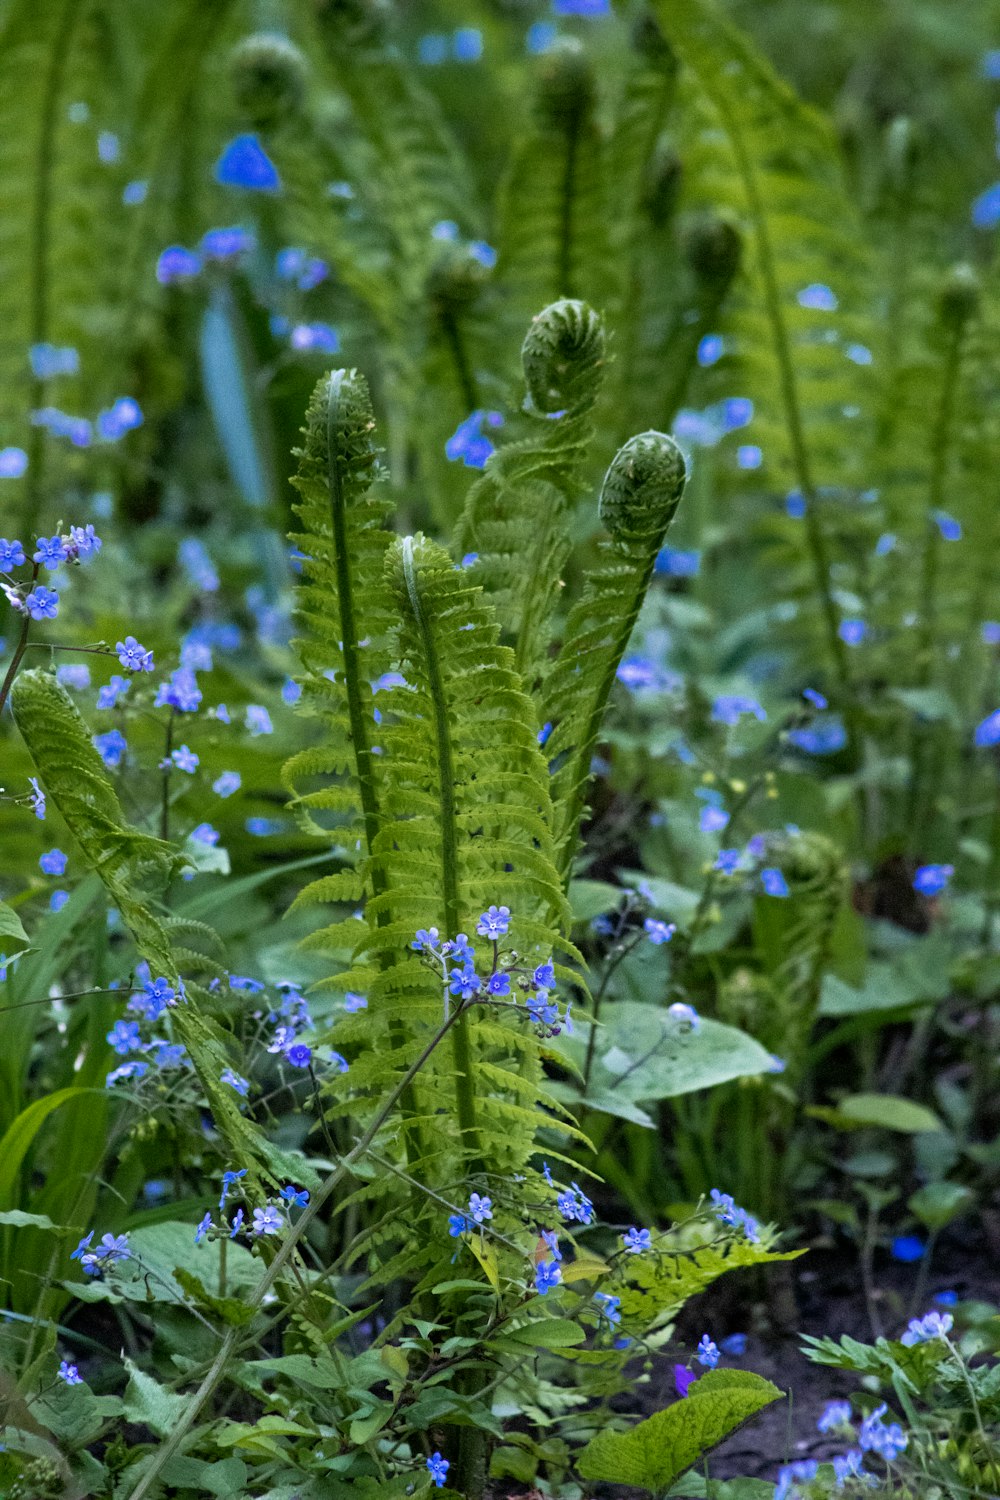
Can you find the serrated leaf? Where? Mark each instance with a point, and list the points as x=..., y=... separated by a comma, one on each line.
x=146, y=1401
x=654, y=1453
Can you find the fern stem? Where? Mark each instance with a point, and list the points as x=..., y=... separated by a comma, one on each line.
x=565, y=275
x=815, y=535
x=464, y=1092
x=39, y=232
x=463, y=370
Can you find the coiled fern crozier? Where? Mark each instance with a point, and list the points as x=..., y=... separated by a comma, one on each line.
x=432, y=677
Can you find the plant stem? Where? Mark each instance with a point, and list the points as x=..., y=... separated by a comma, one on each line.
x=254, y=1300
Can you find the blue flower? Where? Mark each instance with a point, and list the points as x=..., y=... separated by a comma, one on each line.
x=636, y=1241
x=432, y=49
x=134, y=192
x=545, y=976
x=498, y=984
x=712, y=819
x=299, y=1055
x=711, y=348
x=931, y=880
x=47, y=361
x=203, y=1229
x=354, y=1003
x=437, y=1468
x=245, y=982
x=671, y=562
x=58, y=900
x=727, y=861
x=318, y=338
x=228, y=1178
x=234, y=1080
x=986, y=208
x=795, y=505
x=734, y=1344
x=124, y=1037
x=110, y=1250
x=227, y=244
x=74, y=675
x=483, y=253
x=749, y=456
x=480, y=1209
x=859, y=354
x=574, y=1204
x=609, y=1307
x=737, y=411
x=547, y=1275
x=267, y=1220
x=181, y=692
x=817, y=297
x=177, y=264
x=946, y=1299
x=11, y=555
x=685, y=1015
x=804, y=1469
x=69, y=1373
x=730, y=707
x=237, y=1223
x=458, y=1224
x=932, y=1325
x=494, y=923
x=464, y=982
x=774, y=882
x=659, y=932
x=116, y=420
x=824, y=736
x=551, y=1239
x=988, y=732
x=258, y=720
x=885, y=544
x=53, y=862
x=907, y=1248
x=204, y=833
x=42, y=603
x=134, y=1069
x=82, y=1247
x=111, y=747
x=852, y=632
x=467, y=44
x=850, y=1465
x=581, y=7
x=950, y=529
x=469, y=443
x=888, y=1442
x=728, y=1213
x=539, y=37
x=834, y=1414
x=295, y=1197
x=13, y=463
x=707, y=1353
x=226, y=784
x=990, y=630
x=245, y=164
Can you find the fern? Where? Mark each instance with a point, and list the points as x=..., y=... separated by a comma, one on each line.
x=772, y=160
x=552, y=239
x=516, y=517
x=640, y=495
x=73, y=775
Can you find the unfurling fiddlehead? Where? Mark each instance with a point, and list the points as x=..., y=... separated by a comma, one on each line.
x=268, y=75
x=639, y=498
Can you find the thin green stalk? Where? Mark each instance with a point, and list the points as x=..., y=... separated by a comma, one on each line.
x=565, y=272
x=464, y=1091
x=255, y=1299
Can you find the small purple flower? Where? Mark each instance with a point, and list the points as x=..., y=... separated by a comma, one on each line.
x=774, y=882
x=203, y=1229
x=267, y=1220
x=245, y=164
x=74, y=675
x=907, y=1248
x=299, y=1055
x=58, y=900
x=205, y=834
x=227, y=244
x=53, y=862
x=574, y=1204
x=888, y=1442
x=734, y=1344
x=226, y=784
x=727, y=861
x=69, y=1373
x=228, y=1179
x=124, y=415
x=684, y=1379
x=295, y=1197
x=932, y=1325
x=181, y=692
x=494, y=923
x=184, y=759
x=37, y=798
x=235, y=1081
x=108, y=695
x=480, y=1209
x=469, y=443
x=713, y=819
x=258, y=720
x=13, y=463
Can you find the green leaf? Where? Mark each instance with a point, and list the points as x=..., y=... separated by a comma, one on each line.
x=147, y=1401
x=19, y=1220
x=889, y=1112
x=12, y=935
x=548, y=1333
x=225, y=1478
x=591, y=898
x=643, y=1054
x=18, y=1139
x=654, y=1453
x=937, y=1203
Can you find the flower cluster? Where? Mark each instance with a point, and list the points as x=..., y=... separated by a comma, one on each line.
x=27, y=595
x=728, y=1213
x=111, y=1251
x=455, y=958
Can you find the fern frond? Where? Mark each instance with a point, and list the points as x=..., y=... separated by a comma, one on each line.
x=772, y=161
x=516, y=515
x=640, y=495
x=553, y=239
x=73, y=775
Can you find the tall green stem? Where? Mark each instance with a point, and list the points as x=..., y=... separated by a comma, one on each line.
x=464, y=1091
